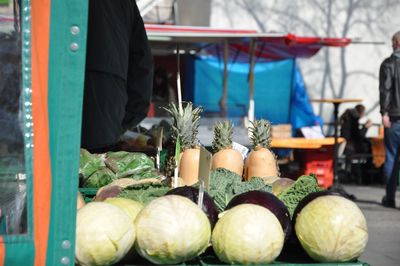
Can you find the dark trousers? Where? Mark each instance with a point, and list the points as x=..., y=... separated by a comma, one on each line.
x=391, y=166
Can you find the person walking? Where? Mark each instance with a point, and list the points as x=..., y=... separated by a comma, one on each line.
x=389, y=94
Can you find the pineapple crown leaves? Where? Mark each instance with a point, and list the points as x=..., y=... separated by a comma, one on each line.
x=260, y=133
x=185, y=124
x=223, y=132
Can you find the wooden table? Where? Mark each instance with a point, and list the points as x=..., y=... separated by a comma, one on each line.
x=336, y=102
x=303, y=143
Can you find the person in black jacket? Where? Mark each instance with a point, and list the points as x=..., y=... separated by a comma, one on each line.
x=389, y=89
x=119, y=73
x=353, y=132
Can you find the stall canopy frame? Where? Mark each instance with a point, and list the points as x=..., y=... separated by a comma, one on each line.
x=251, y=44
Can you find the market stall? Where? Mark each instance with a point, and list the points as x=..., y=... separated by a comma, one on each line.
x=223, y=67
x=172, y=227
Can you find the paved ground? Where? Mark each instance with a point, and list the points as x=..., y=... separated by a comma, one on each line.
x=383, y=247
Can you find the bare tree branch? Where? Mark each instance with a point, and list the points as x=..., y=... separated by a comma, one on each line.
x=252, y=10
x=320, y=7
x=367, y=18
x=305, y=23
x=363, y=73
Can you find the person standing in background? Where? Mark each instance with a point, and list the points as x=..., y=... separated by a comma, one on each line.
x=356, y=141
x=119, y=74
x=389, y=89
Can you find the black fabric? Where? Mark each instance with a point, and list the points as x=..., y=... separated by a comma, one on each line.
x=119, y=72
x=103, y=109
x=353, y=133
x=389, y=86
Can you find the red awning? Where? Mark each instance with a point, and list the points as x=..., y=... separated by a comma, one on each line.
x=270, y=46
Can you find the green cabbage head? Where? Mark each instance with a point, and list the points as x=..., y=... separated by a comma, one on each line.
x=131, y=207
x=332, y=229
x=104, y=234
x=248, y=234
x=171, y=229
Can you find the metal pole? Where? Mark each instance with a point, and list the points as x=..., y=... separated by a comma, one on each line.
x=251, y=80
x=335, y=147
x=178, y=79
x=222, y=101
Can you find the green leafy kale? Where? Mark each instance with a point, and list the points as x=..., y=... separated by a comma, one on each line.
x=97, y=170
x=89, y=163
x=124, y=163
x=224, y=185
x=256, y=183
x=101, y=177
x=152, y=173
x=145, y=192
x=222, y=182
x=303, y=186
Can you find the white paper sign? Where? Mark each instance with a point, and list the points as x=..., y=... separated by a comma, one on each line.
x=240, y=148
x=314, y=132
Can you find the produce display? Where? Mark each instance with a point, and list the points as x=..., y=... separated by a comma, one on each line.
x=224, y=155
x=172, y=229
x=224, y=185
x=249, y=215
x=281, y=184
x=97, y=170
x=331, y=228
x=268, y=201
x=185, y=126
x=261, y=161
x=292, y=195
x=192, y=193
x=130, y=207
x=248, y=234
x=143, y=190
x=104, y=234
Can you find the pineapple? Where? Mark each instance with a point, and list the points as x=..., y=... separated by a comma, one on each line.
x=225, y=156
x=223, y=132
x=261, y=161
x=260, y=134
x=185, y=126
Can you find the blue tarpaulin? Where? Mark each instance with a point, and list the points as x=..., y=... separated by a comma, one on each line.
x=279, y=91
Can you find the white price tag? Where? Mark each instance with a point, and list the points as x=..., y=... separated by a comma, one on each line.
x=240, y=148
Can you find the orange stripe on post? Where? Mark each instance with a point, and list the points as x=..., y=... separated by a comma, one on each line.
x=40, y=11
x=2, y=251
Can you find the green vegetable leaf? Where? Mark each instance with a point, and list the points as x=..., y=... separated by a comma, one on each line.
x=89, y=163
x=101, y=177
x=222, y=182
x=303, y=186
x=124, y=163
x=153, y=173
x=146, y=192
x=256, y=183
x=224, y=185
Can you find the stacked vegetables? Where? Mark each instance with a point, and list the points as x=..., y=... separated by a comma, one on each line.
x=261, y=160
x=224, y=155
x=250, y=214
x=97, y=170
x=252, y=229
x=185, y=128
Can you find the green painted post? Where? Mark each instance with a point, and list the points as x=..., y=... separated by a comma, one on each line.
x=67, y=54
